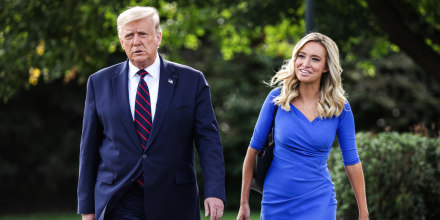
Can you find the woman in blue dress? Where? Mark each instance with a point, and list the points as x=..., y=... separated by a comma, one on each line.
x=312, y=111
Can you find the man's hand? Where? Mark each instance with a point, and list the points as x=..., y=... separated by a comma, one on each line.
x=88, y=216
x=214, y=207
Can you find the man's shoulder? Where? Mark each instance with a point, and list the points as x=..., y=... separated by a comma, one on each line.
x=110, y=70
x=181, y=68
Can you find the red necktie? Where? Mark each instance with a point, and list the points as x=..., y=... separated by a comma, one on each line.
x=142, y=117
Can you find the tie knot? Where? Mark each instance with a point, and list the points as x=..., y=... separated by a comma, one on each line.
x=142, y=73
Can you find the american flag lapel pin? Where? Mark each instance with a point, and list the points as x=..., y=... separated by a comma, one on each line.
x=170, y=81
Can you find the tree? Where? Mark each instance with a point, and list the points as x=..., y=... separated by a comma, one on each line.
x=37, y=36
x=414, y=27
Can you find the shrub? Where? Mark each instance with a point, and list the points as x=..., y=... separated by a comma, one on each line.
x=402, y=173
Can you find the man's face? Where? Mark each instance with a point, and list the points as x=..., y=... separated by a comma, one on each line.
x=140, y=42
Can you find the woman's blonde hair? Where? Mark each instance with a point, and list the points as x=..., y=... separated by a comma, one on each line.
x=332, y=98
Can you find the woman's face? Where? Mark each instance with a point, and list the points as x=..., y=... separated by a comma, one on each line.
x=310, y=63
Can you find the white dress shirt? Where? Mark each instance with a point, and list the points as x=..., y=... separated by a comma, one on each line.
x=152, y=80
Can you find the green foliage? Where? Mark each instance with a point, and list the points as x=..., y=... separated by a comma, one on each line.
x=396, y=99
x=48, y=40
x=39, y=163
x=74, y=38
x=401, y=174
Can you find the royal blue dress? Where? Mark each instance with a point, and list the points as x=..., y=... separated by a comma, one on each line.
x=298, y=184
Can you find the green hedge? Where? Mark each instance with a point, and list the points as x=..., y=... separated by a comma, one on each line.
x=402, y=175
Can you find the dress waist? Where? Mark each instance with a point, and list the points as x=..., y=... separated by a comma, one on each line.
x=293, y=175
x=314, y=161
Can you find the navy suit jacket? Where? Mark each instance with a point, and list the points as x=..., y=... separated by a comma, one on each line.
x=111, y=156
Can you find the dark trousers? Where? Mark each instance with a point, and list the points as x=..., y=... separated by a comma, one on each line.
x=130, y=206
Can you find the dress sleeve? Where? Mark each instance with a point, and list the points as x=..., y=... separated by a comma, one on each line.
x=346, y=136
x=264, y=122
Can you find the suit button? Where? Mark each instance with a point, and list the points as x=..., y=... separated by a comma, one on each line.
x=144, y=156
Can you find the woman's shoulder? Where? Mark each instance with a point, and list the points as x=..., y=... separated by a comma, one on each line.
x=272, y=95
x=347, y=106
x=269, y=101
x=345, y=110
x=275, y=92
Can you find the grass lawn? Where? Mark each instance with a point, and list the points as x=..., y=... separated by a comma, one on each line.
x=229, y=215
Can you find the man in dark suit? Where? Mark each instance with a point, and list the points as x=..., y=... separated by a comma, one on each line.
x=125, y=173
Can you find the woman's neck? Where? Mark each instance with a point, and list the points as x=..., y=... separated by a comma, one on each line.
x=309, y=92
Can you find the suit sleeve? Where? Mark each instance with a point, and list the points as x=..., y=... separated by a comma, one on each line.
x=208, y=143
x=89, y=155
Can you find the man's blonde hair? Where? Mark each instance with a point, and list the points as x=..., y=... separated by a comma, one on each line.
x=137, y=13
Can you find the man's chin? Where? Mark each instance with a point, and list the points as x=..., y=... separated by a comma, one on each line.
x=141, y=63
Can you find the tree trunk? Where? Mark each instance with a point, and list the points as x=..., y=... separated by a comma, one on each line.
x=400, y=33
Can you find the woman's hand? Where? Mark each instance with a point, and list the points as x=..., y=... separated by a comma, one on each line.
x=248, y=172
x=356, y=177
x=364, y=216
x=244, y=212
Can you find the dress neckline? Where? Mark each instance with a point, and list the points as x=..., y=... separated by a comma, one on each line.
x=301, y=115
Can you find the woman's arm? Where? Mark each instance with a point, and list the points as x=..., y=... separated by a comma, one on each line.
x=356, y=177
x=248, y=172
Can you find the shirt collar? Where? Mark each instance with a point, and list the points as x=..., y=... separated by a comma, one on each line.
x=153, y=70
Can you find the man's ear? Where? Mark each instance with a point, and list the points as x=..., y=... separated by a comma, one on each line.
x=121, y=41
x=158, y=38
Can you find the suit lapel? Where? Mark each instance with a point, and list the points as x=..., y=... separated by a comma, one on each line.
x=120, y=92
x=167, y=83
